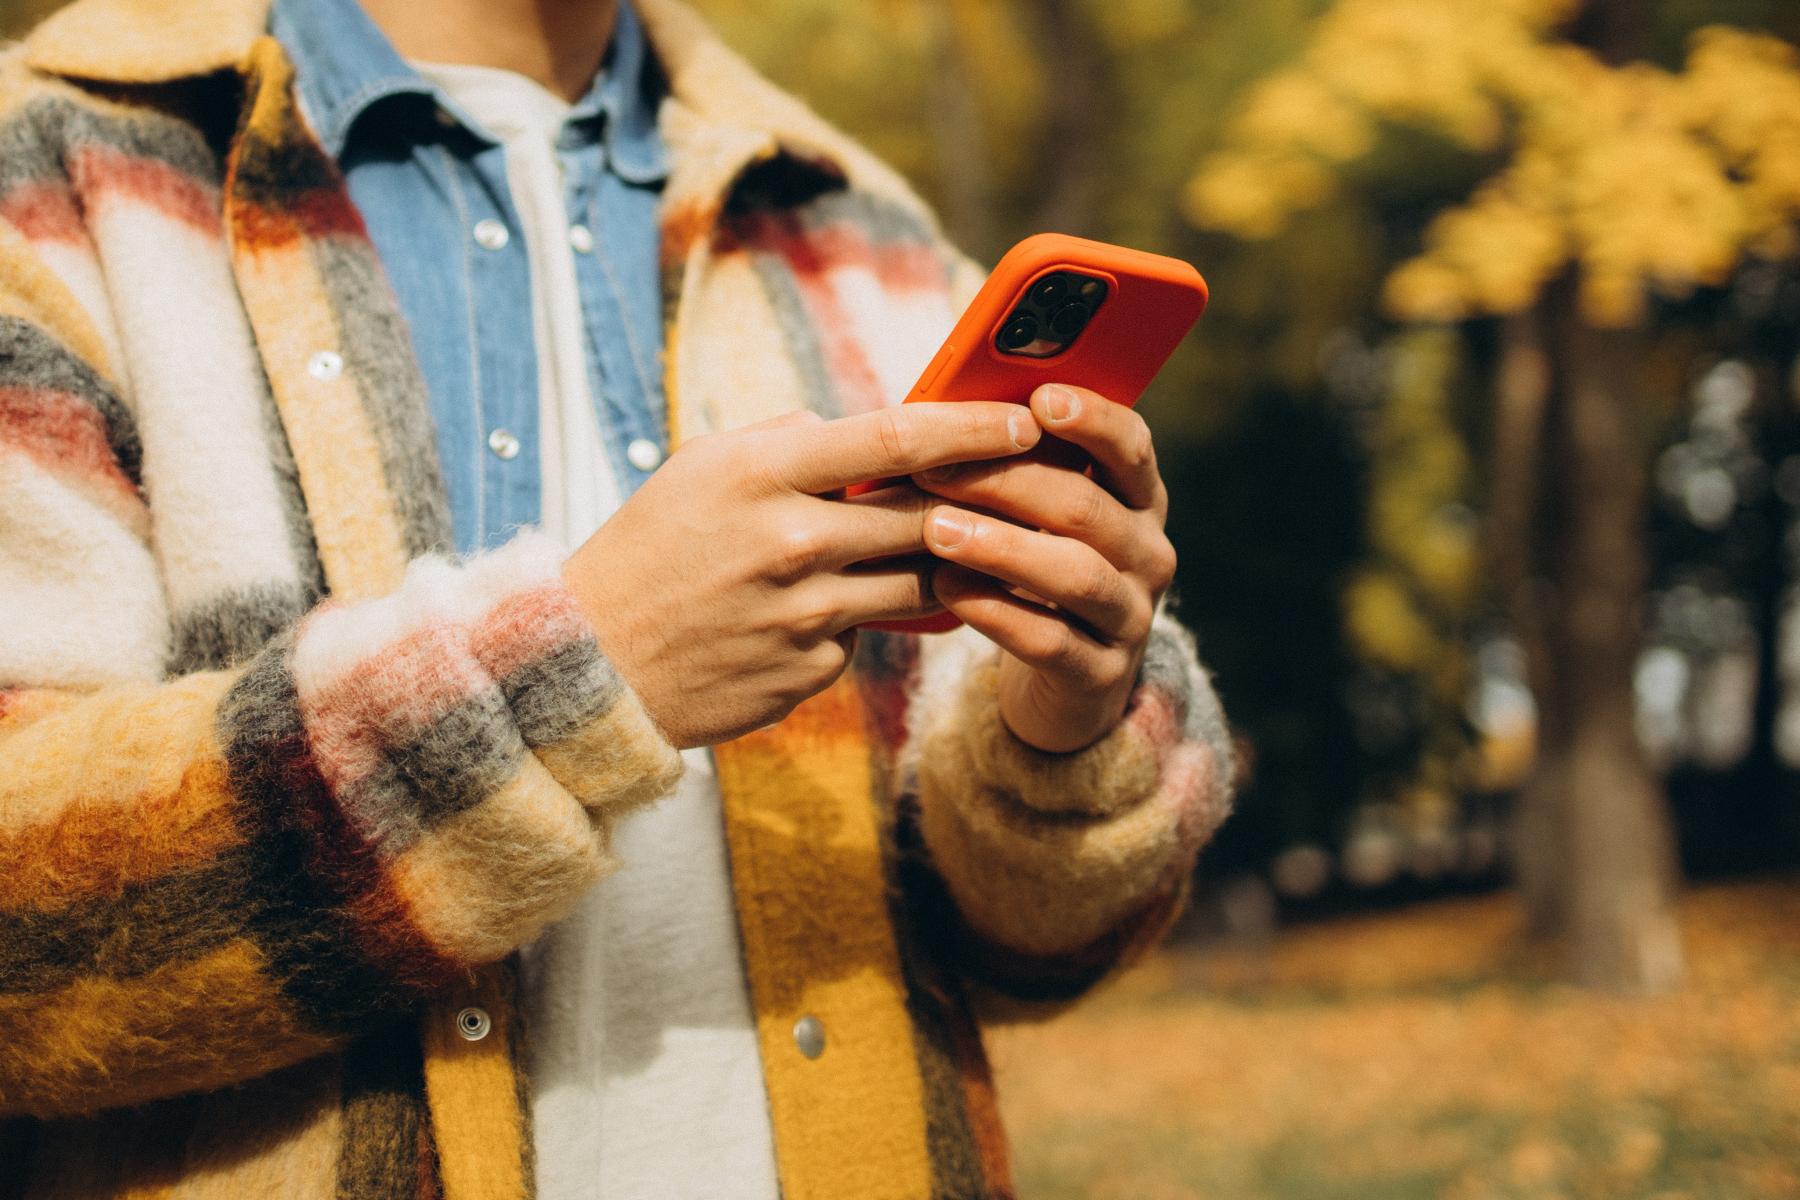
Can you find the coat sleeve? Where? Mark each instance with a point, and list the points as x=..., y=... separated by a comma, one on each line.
x=1038, y=874
x=207, y=877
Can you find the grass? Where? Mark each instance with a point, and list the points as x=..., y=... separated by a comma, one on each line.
x=1419, y=1056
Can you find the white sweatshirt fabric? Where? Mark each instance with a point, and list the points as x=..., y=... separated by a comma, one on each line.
x=646, y=1082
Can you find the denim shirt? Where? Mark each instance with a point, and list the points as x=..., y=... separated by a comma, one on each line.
x=431, y=186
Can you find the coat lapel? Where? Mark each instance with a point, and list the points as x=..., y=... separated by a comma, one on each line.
x=355, y=412
x=332, y=343
x=803, y=818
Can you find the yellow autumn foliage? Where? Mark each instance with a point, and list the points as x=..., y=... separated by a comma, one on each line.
x=1383, y=623
x=1402, y=612
x=1650, y=182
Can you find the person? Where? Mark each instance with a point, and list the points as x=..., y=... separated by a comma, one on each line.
x=439, y=754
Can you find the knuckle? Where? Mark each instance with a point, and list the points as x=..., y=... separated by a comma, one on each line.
x=1067, y=653
x=698, y=450
x=1140, y=446
x=795, y=551
x=892, y=434
x=746, y=457
x=1098, y=582
x=1038, y=647
x=986, y=424
x=811, y=620
x=984, y=427
x=1135, y=629
x=1087, y=512
x=1053, y=645
x=1160, y=563
x=825, y=662
x=1107, y=668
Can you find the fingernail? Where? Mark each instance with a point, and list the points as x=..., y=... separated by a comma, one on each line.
x=950, y=529
x=943, y=474
x=1061, y=404
x=1017, y=424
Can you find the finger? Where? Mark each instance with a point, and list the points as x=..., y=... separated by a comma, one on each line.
x=886, y=522
x=1033, y=634
x=1070, y=574
x=817, y=535
x=1047, y=497
x=830, y=534
x=788, y=420
x=1114, y=435
x=891, y=591
x=898, y=441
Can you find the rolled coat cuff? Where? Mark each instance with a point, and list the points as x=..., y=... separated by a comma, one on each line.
x=1077, y=857
x=470, y=731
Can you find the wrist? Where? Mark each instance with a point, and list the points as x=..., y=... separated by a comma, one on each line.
x=601, y=616
x=1055, y=719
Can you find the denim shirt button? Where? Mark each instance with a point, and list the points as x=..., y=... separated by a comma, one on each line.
x=504, y=444
x=582, y=238
x=491, y=234
x=643, y=454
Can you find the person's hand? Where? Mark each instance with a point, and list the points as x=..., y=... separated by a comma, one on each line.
x=728, y=588
x=1067, y=584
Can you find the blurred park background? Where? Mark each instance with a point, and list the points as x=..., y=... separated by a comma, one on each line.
x=1485, y=467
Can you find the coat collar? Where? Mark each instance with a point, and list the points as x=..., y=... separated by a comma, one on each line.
x=145, y=41
x=721, y=99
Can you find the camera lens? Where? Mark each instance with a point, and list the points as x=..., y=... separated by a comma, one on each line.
x=1050, y=290
x=1069, y=320
x=1018, y=333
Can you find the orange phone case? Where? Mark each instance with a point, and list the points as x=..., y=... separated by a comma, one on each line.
x=1150, y=303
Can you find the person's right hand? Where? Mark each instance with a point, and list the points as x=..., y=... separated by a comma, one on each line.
x=728, y=588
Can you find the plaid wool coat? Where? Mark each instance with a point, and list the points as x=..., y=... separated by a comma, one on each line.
x=283, y=787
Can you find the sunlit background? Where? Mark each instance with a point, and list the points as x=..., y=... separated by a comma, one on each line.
x=1485, y=467
x=1486, y=479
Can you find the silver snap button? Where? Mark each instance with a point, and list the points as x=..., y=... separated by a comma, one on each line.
x=503, y=444
x=473, y=1024
x=325, y=365
x=643, y=454
x=491, y=234
x=809, y=1036
x=582, y=238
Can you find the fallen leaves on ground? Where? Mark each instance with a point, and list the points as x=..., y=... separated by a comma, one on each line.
x=1420, y=1054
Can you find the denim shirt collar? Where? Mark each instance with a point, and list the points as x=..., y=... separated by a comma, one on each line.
x=344, y=66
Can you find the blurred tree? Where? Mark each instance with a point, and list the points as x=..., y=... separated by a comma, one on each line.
x=1614, y=181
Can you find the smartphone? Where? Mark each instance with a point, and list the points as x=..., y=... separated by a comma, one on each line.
x=1060, y=309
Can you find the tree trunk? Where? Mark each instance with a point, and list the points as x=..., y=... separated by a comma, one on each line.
x=1621, y=876
x=1540, y=841
x=1075, y=120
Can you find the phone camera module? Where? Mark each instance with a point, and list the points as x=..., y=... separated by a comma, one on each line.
x=1018, y=333
x=1051, y=314
x=1067, y=322
x=1050, y=291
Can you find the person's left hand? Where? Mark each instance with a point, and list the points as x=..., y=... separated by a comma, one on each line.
x=1093, y=548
